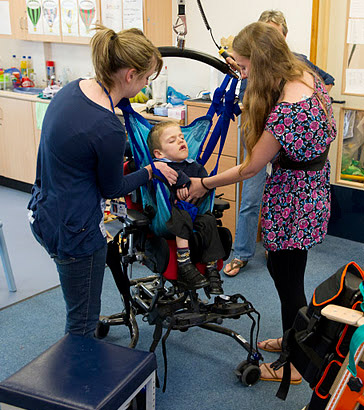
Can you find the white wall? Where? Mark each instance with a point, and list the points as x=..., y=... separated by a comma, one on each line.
x=74, y=57
x=226, y=18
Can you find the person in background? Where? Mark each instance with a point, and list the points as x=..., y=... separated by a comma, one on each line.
x=287, y=120
x=80, y=164
x=252, y=192
x=166, y=143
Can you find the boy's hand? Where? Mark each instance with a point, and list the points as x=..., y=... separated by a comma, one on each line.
x=182, y=193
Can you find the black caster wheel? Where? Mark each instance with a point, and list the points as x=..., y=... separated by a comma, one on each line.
x=102, y=330
x=248, y=373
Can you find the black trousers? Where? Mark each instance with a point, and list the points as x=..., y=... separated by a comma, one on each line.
x=287, y=269
x=201, y=233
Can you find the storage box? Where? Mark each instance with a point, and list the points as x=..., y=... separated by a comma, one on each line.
x=177, y=112
x=161, y=111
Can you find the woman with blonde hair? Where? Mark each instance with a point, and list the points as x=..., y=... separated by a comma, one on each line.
x=288, y=120
x=80, y=164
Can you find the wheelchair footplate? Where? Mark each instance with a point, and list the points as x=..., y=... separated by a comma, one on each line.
x=230, y=307
x=224, y=307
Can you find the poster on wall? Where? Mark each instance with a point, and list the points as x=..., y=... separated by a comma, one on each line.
x=133, y=14
x=69, y=13
x=50, y=12
x=34, y=12
x=112, y=14
x=5, y=27
x=354, y=83
x=87, y=17
x=356, y=9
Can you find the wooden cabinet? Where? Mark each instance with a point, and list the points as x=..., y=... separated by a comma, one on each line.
x=229, y=158
x=18, y=148
x=157, y=21
x=48, y=27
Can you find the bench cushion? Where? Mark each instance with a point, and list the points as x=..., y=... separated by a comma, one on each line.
x=78, y=373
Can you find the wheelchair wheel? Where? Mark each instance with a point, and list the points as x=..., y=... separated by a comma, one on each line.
x=133, y=329
x=130, y=331
x=248, y=373
x=102, y=330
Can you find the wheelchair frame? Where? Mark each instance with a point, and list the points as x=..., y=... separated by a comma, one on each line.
x=169, y=307
x=166, y=307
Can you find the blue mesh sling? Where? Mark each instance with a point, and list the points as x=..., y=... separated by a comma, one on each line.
x=223, y=106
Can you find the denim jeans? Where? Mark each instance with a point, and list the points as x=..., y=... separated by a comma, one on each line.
x=81, y=281
x=247, y=226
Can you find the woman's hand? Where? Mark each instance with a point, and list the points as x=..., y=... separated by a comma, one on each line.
x=182, y=193
x=169, y=173
x=196, y=190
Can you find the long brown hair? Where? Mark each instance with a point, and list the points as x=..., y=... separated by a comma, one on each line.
x=126, y=49
x=272, y=64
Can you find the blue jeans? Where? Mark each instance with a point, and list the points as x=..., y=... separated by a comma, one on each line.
x=81, y=281
x=247, y=226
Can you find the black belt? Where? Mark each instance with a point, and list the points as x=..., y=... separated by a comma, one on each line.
x=315, y=164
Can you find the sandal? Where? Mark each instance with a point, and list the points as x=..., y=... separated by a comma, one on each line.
x=271, y=345
x=234, y=265
x=274, y=377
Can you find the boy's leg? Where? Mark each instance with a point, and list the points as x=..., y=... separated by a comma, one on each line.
x=188, y=276
x=211, y=246
x=212, y=250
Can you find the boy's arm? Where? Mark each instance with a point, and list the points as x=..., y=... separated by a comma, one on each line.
x=182, y=179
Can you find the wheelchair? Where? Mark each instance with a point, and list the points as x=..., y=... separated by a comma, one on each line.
x=157, y=296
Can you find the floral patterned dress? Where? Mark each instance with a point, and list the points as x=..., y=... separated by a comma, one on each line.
x=296, y=203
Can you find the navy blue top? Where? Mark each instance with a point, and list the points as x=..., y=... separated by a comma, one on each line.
x=185, y=170
x=80, y=162
x=326, y=77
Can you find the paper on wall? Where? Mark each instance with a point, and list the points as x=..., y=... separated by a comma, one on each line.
x=87, y=13
x=355, y=31
x=5, y=27
x=133, y=14
x=50, y=14
x=112, y=14
x=69, y=12
x=354, y=81
x=356, y=9
x=34, y=13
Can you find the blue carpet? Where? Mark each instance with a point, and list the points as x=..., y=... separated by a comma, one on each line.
x=200, y=363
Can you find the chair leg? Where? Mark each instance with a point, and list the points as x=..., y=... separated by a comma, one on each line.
x=6, y=261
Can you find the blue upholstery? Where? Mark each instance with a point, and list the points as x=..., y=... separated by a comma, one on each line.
x=78, y=373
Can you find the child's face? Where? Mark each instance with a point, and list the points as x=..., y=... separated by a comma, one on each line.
x=173, y=145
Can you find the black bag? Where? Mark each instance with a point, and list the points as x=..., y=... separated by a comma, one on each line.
x=317, y=346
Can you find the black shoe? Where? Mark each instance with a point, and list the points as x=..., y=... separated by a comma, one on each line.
x=215, y=286
x=189, y=277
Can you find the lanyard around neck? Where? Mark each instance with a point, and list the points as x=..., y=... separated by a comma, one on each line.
x=107, y=93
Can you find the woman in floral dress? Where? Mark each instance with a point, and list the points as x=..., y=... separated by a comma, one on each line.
x=288, y=121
